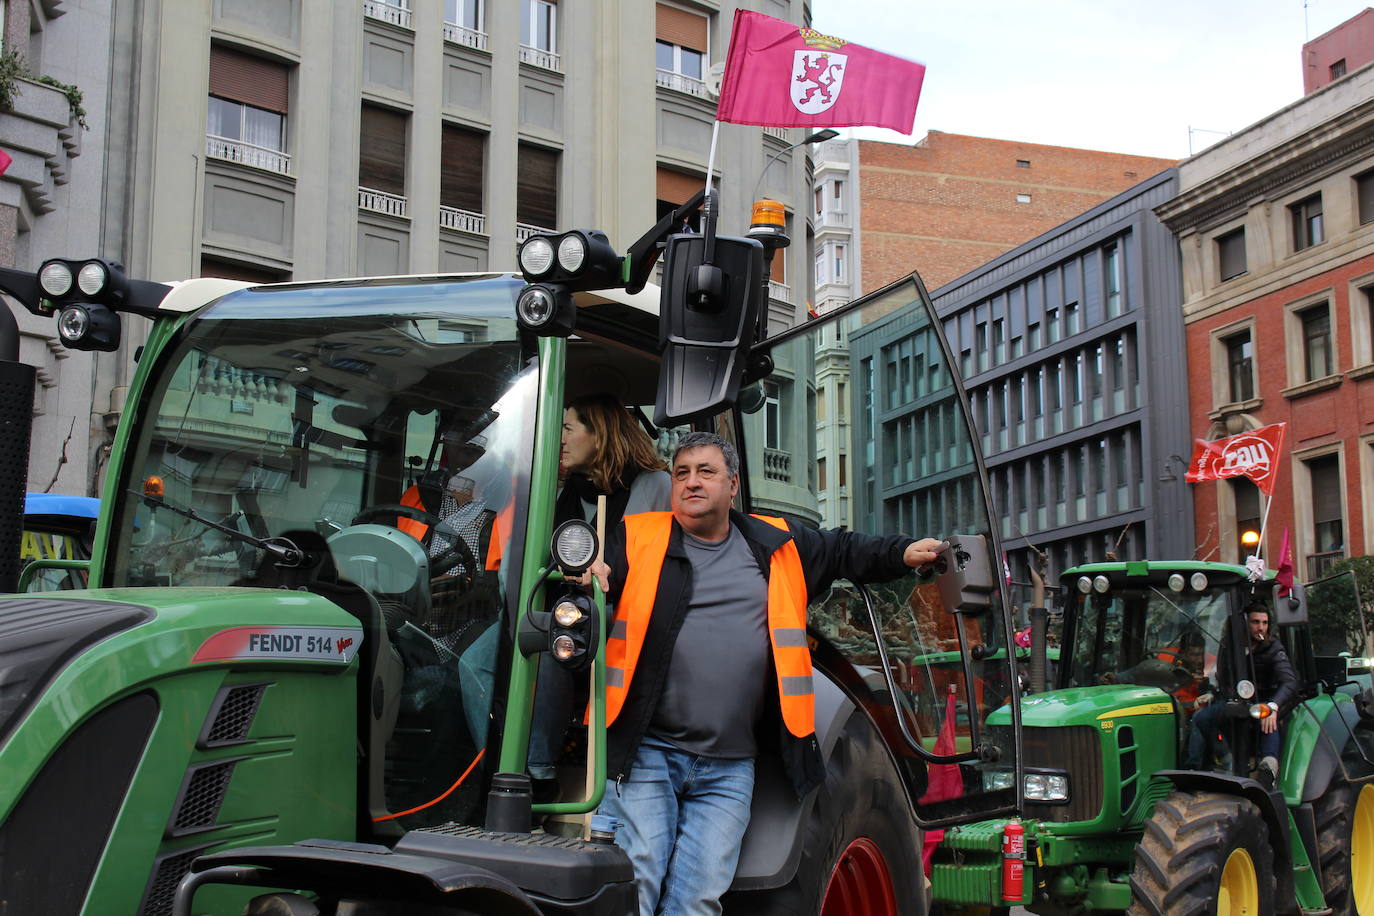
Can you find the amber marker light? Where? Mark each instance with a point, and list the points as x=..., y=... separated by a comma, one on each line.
x=1249, y=538
x=154, y=487
x=766, y=215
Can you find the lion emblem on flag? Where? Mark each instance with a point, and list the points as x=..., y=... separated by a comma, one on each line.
x=816, y=80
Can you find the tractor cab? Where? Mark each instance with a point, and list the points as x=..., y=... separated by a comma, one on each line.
x=1176, y=635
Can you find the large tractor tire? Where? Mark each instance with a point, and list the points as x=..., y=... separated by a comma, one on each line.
x=1345, y=846
x=861, y=853
x=1203, y=853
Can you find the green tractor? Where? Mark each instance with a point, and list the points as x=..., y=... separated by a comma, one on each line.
x=1115, y=820
x=277, y=695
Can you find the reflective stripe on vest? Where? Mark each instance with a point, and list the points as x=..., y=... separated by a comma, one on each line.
x=646, y=545
x=413, y=527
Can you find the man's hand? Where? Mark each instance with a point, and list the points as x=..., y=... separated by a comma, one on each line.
x=600, y=570
x=1204, y=700
x=921, y=553
x=1270, y=723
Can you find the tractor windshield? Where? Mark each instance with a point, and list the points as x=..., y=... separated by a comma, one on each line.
x=1151, y=636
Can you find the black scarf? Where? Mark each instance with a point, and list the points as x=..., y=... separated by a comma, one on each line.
x=578, y=487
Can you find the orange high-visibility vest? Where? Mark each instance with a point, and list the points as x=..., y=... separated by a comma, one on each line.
x=646, y=545
x=410, y=526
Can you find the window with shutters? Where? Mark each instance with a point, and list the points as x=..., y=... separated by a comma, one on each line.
x=676, y=188
x=536, y=189
x=1307, y=222
x=1231, y=260
x=382, y=160
x=1364, y=193
x=1328, y=513
x=681, y=50
x=461, y=172
x=246, y=115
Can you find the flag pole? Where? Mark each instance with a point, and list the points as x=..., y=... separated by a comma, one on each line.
x=1264, y=524
x=711, y=158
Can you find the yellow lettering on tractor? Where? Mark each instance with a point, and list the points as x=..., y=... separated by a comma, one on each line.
x=1148, y=709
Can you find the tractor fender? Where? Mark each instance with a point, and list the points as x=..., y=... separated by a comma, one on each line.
x=772, y=845
x=1324, y=762
x=1271, y=807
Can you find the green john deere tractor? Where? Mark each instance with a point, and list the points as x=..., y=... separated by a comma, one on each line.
x=1114, y=819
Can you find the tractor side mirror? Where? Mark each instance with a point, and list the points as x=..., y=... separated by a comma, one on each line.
x=707, y=319
x=1292, y=609
x=966, y=581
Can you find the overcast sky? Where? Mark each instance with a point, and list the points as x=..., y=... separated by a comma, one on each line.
x=1125, y=76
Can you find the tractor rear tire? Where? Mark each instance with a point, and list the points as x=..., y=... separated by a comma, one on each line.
x=1345, y=846
x=860, y=842
x=1203, y=853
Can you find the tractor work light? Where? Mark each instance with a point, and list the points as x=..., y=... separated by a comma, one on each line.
x=573, y=630
x=580, y=260
x=55, y=279
x=1176, y=582
x=546, y=310
x=88, y=327
x=574, y=546
x=536, y=257
x=572, y=252
x=1245, y=689
x=1085, y=585
x=1198, y=581
x=1101, y=584
x=92, y=278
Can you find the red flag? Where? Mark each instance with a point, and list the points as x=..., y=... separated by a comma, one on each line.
x=943, y=780
x=1284, y=574
x=779, y=75
x=5, y=161
x=1253, y=454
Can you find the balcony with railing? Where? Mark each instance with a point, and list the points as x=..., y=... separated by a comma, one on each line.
x=780, y=133
x=779, y=291
x=547, y=60
x=679, y=82
x=462, y=35
x=382, y=202
x=258, y=157
x=1319, y=564
x=462, y=220
x=524, y=230
x=833, y=219
x=777, y=465
x=394, y=13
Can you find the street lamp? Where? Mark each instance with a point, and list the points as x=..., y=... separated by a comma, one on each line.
x=818, y=137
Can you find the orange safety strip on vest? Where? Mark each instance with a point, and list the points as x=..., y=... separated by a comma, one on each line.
x=646, y=545
x=495, y=545
x=410, y=526
x=787, y=631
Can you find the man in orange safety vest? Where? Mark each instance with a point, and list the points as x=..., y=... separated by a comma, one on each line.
x=708, y=643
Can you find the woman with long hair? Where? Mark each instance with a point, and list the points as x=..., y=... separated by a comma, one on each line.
x=604, y=452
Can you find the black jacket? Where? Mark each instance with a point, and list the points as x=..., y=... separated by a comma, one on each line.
x=1275, y=680
x=825, y=556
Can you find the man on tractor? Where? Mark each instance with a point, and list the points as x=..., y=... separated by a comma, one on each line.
x=1276, y=684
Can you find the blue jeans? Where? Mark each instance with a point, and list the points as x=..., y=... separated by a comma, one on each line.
x=682, y=821
x=1204, y=728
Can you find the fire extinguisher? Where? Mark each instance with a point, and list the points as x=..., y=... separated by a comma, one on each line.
x=1013, y=862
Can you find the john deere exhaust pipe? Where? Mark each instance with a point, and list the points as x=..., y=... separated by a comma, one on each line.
x=1039, y=623
x=16, y=425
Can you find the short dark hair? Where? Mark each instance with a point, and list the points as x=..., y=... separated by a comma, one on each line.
x=702, y=440
x=1258, y=607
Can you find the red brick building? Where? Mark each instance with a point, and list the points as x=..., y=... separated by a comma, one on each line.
x=1276, y=229
x=1344, y=49
x=952, y=203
